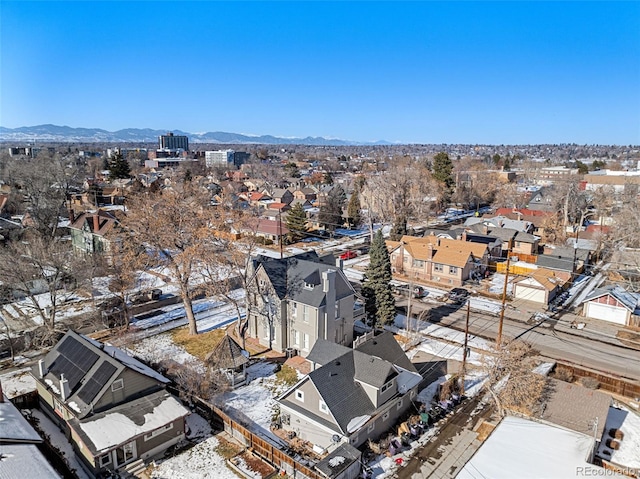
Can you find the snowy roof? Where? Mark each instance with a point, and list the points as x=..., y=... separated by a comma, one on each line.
x=15, y=428
x=17, y=383
x=629, y=300
x=118, y=425
x=526, y=449
x=627, y=455
x=24, y=460
x=339, y=460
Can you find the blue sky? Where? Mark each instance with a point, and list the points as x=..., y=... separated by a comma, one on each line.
x=415, y=72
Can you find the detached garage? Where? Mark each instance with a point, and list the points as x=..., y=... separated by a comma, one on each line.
x=613, y=304
x=541, y=286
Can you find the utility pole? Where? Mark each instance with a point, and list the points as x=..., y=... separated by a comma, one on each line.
x=504, y=297
x=409, y=307
x=463, y=371
x=280, y=230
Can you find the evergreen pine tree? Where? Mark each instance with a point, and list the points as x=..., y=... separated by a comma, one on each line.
x=296, y=222
x=380, y=304
x=399, y=229
x=443, y=170
x=353, y=210
x=119, y=167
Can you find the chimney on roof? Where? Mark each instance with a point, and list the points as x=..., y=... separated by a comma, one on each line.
x=42, y=369
x=65, y=390
x=430, y=247
x=96, y=222
x=72, y=215
x=464, y=235
x=340, y=263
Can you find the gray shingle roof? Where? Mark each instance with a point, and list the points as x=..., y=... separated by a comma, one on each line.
x=324, y=351
x=344, y=397
x=385, y=346
x=575, y=407
x=226, y=355
x=289, y=276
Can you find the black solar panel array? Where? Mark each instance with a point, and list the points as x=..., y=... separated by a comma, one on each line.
x=93, y=386
x=74, y=361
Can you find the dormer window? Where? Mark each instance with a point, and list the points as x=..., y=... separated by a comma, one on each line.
x=308, y=286
x=386, y=386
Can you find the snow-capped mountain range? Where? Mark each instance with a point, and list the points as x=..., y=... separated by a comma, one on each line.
x=55, y=133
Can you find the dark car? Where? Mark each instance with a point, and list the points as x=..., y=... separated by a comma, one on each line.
x=458, y=295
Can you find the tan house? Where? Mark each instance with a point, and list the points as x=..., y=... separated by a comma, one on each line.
x=540, y=286
x=430, y=258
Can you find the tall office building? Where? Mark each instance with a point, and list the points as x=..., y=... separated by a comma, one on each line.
x=225, y=158
x=173, y=142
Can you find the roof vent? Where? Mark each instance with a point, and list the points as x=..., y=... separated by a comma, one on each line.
x=337, y=363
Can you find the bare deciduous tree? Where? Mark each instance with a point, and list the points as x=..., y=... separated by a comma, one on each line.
x=171, y=229
x=512, y=384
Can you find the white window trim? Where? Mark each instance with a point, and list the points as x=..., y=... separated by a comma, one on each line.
x=323, y=407
x=399, y=404
x=117, y=385
x=299, y=395
x=385, y=416
x=102, y=463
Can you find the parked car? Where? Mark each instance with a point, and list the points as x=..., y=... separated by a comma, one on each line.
x=403, y=290
x=458, y=295
x=349, y=255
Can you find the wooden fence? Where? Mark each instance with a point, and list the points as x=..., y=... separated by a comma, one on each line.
x=259, y=445
x=611, y=383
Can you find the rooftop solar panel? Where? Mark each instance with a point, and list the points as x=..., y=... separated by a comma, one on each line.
x=74, y=360
x=93, y=386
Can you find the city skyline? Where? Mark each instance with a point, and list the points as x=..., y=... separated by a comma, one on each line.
x=417, y=72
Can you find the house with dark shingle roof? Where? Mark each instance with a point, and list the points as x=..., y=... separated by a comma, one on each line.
x=89, y=230
x=295, y=301
x=114, y=409
x=356, y=394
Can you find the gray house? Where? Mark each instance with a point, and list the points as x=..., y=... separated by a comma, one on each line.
x=353, y=394
x=114, y=409
x=293, y=302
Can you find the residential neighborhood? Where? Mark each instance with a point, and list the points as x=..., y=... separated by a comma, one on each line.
x=293, y=316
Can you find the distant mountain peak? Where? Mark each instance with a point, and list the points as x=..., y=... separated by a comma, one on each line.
x=55, y=133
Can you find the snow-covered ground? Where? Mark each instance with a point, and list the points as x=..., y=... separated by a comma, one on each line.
x=159, y=347
x=59, y=440
x=255, y=403
x=201, y=461
x=497, y=283
x=431, y=329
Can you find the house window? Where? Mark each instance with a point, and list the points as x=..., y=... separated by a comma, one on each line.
x=405, y=259
x=371, y=427
x=438, y=268
x=453, y=270
x=300, y=396
x=117, y=385
x=323, y=407
x=296, y=338
x=158, y=431
x=386, y=386
x=385, y=416
x=418, y=263
x=308, y=286
x=294, y=308
x=305, y=339
x=105, y=460
x=305, y=313
x=399, y=404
